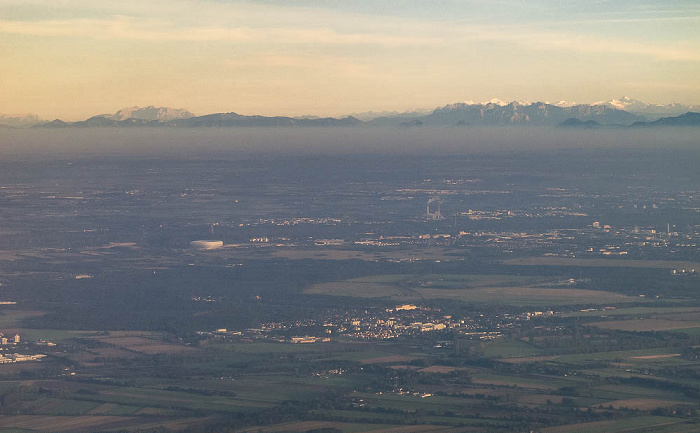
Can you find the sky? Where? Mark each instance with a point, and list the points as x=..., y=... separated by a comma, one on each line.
x=72, y=59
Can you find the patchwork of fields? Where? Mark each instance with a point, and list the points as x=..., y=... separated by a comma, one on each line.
x=627, y=369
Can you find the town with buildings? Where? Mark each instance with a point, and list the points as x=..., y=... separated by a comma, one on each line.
x=375, y=324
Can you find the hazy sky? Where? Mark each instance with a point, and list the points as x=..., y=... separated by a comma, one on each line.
x=75, y=58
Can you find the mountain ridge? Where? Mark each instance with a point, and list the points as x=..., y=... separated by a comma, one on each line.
x=217, y=120
x=492, y=113
x=20, y=120
x=651, y=111
x=159, y=114
x=687, y=119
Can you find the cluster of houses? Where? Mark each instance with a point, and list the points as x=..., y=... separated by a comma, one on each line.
x=378, y=324
x=7, y=341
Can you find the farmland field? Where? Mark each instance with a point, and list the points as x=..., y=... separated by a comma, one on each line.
x=643, y=403
x=302, y=427
x=637, y=311
x=66, y=423
x=623, y=425
x=510, y=349
x=486, y=289
x=614, y=263
x=442, y=402
x=625, y=355
x=12, y=317
x=650, y=324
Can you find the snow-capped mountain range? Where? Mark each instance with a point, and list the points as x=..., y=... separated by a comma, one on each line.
x=497, y=113
x=159, y=114
x=494, y=112
x=650, y=111
x=135, y=113
x=625, y=103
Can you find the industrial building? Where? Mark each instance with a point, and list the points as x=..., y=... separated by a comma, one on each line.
x=206, y=245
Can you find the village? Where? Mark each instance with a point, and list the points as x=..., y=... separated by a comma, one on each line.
x=374, y=324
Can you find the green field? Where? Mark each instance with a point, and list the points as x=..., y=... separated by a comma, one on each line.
x=693, y=332
x=633, y=311
x=304, y=426
x=510, y=349
x=625, y=392
x=648, y=324
x=539, y=383
x=11, y=317
x=16, y=430
x=262, y=348
x=54, y=335
x=481, y=289
x=605, y=263
x=624, y=355
x=626, y=425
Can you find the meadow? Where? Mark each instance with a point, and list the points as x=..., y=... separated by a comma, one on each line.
x=479, y=289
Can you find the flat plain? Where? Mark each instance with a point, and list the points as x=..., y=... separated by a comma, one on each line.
x=484, y=289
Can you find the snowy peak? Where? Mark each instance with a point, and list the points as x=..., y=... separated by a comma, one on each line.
x=366, y=116
x=623, y=103
x=495, y=101
x=645, y=109
x=20, y=120
x=501, y=103
x=499, y=113
x=159, y=114
x=563, y=104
